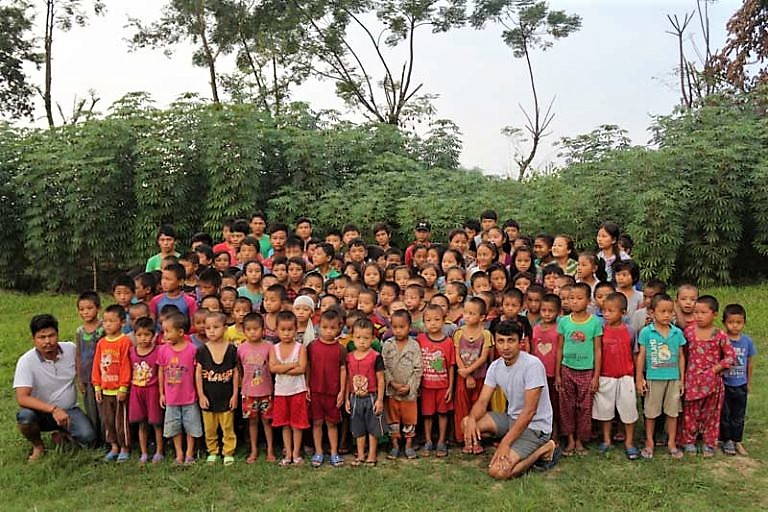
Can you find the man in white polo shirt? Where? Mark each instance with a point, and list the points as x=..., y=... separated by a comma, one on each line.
x=45, y=388
x=526, y=428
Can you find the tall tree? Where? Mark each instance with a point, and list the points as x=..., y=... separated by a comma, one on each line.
x=742, y=60
x=16, y=48
x=527, y=26
x=62, y=15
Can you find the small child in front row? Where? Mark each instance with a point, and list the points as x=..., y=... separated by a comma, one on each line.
x=178, y=396
x=402, y=372
x=253, y=355
x=288, y=361
x=438, y=358
x=660, y=372
x=365, y=392
x=111, y=377
x=544, y=346
x=709, y=354
x=144, y=398
x=217, y=378
x=86, y=338
x=737, y=379
x=617, y=377
x=577, y=371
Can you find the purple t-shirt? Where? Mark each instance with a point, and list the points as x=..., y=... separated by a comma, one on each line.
x=257, y=381
x=178, y=374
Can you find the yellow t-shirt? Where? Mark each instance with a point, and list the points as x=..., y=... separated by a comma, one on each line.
x=232, y=335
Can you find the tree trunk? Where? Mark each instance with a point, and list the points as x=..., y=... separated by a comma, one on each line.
x=49, y=25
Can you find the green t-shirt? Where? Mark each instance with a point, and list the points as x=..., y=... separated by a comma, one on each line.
x=661, y=354
x=156, y=262
x=265, y=246
x=579, y=341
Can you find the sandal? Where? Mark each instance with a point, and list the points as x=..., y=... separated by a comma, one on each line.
x=676, y=453
x=337, y=460
x=229, y=460
x=212, y=459
x=442, y=450
x=581, y=451
x=646, y=453
x=546, y=465
x=708, y=451
x=157, y=458
x=251, y=459
x=478, y=449
x=370, y=463
x=355, y=463
x=285, y=462
x=393, y=454
x=298, y=461
x=467, y=450
x=410, y=453
x=603, y=448
x=317, y=460
x=568, y=452
x=428, y=448
x=632, y=453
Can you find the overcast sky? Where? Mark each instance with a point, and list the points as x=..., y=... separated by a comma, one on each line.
x=618, y=69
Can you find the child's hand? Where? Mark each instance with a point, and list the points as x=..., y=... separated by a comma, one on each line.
x=340, y=400
x=348, y=406
x=203, y=402
x=470, y=382
x=162, y=400
x=98, y=395
x=233, y=403
x=404, y=389
x=682, y=388
x=121, y=396
x=448, y=395
x=378, y=407
x=595, y=384
x=463, y=372
x=641, y=386
x=309, y=397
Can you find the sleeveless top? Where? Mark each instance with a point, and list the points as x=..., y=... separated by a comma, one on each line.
x=287, y=385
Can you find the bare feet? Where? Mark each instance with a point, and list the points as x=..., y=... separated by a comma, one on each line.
x=271, y=457
x=741, y=450
x=37, y=452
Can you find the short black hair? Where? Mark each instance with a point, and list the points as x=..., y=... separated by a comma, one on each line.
x=733, y=310
x=44, y=321
x=178, y=270
x=552, y=298
x=166, y=230
x=710, y=301
x=279, y=289
x=471, y=224
x=286, y=316
x=190, y=256
x=583, y=286
x=479, y=303
x=303, y=220
x=628, y=265
x=605, y=284
x=357, y=242
x=210, y=276
x=552, y=268
x=511, y=223
x=90, y=296
x=382, y=226
x=241, y=226
x=278, y=226
x=364, y=323
x=144, y=322
x=259, y=215
x=178, y=321
x=489, y=214
x=202, y=237
x=509, y=328
x=350, y=227
x=116, y=309
x=331, y=314
x=660, y=297
x=124, y=280
x=294, y=241
x=402, y=313
x=206, y=250
x=147, y=280
x=253, y=317
x=618, y=297
x=513, y=293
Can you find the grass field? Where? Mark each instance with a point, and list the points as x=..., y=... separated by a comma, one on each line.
x=79, y=480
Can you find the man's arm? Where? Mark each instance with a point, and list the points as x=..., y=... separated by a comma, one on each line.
x=530, y=406
x=25, y=399
x=478, y=410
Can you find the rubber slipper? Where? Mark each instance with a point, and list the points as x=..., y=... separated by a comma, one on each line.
x=676, y=453
x=646, y=453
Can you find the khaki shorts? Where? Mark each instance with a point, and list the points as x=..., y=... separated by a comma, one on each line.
x=662, y=394
x=615, y=394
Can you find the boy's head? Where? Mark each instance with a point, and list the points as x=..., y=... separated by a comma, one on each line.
x=402, y=274
x=173, y=328
x=253, y=327
x=334, y=238
x=533, y=298
x=511, y=303
x=382, y=233
x=326, y=301
x=705, y=311
x=296, y=270
x=313, y=280
x=652, y=287
x=362, y=334
x=173, y=277
x=144, y=285
x=88, y=305
x=550, y=308
x=166, y=239
x=209, y=282
x=222, y=260
x=393, y=256
x=323, y=254
x=190, y=261
x=366, y=301
x=480, y=282
x=422, y=231
x=550, y=274
x=286, y=326
x=303, y=228
x=734, y=319
x=390, y=291
x=441, y=300
x=663, y=309
x=351, y=294
x=274, y=297
x=249, y=249
x=434, y=319
x=242, y=307
x=512, y=229
x=523, y=281
x=168, y=260
x=542, y=246
x=356, y=250
x=136, y=311
x=349, y=233
x=579, y=297
x=614, y=308
x=626, y=273
x=204, y=254
x=488, y=219
x=686, y=298
x=144, y=331
x=294, y=248
x=199, y=239
x=303, y=308
x=456, y=291
x=413, y=297
x=507, y=340
x=198, y=319
x=123, y=289
x=215, y=325
x=114, y=316
x=228, y=297
x=278, y=235
x=602, y=290
x=330, y=324
x=474, y=311
x=401, y=324
x=211, y=303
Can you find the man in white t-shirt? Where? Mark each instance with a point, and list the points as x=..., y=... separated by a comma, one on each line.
x=45, y=388
x=526, y=428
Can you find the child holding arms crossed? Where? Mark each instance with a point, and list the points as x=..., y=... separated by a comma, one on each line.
x=577, y=370
x=257, y=384
x=288, y=361
x=709, y=354
x=660, y=372
x=738, y=380
x=111, y=377
x=437, y=360
x=217, y=379
x=402, y=373
x=178, y=396
x=144, y=400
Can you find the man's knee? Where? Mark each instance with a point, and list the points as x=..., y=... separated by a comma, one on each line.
x=80, y=427
x=27, y=417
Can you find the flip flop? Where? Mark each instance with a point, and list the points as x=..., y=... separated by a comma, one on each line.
x=676, y=453
x=370, y=463
x=632, y=453
x=581, y=452
x=478, y=450
x=568, y=453
x=646, y=453
x=467, y=450
x=356, y=462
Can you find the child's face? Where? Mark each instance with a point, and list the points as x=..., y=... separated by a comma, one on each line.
x=510, y=307
x=214, y=329
x=228, y=301
x=362, y=338
x=586, y=268
x=365, y=303
x=600, y=295
x=387, y=296
x=142, y=292
x=482, y=284
x=280, y=272
x=623, y=279
x=286, y=331
x=430, y=276
x=664, y=312
x=303, y=230
x=382, y=238
x=272, y=302
x=349, y=236
x=221, y=262
x=293, y=252
x=550, y=282
x=455, y=275
x=248, y=253
x=523, y=284
x=560, y=247
x=239, y=312
x=449, y=261
x=433, y=322
x=512, y=232
x=419, y=257
x=703, y=315
x=268, y=280
x=136, y=313
x=371, y=277
x=496, y=237
x=433, y=256
x=519, y=243
x=87, y=310
x=472, y=315
x=145, y=338
x=561, y=282
x=523, y=262
x=211, y=304
x=400, y=327
x=394, y=259
x=166, y=244
x=206, y=288
x=484, y=256
x=112, y=323
x=277, y=239
x=548, y=312
x=123, y=295
x=734, y=324
x=203, y=258
x=341, y=288
x=541, y=248
x=199, y=322
x=303, y=314
x=326, y=302
x=334, y=240
x=253, y=275
x=171, y=333
x=401, y=278
x=648, y=294
x=412, y=300
x=351, y=273
x=452, y=294
x=229, y=281
x=686, y=300
x=533, y=302
x=498, y=281
x=329, y=329
x=295, y=273
x=612, y=312
x=565, y=300
x=319, y=258
x=350, y=298
x=357, y=254
x=442, y=302
x=253, y=331
x=460, y=242
x=315, y=282
x=189, y=268
x=578, y=300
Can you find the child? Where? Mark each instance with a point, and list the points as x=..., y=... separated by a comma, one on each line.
x=660, y=373
x=231, y=244
x=351, y=294
x=173, y=275
x=402, y=275
x=437, y=360
x=86, y=338
x=123, y=289
x=472, y=344
x=217, y=378
x=198, y=321
x=588, y=269
x=549, y=275
x=602, y=290
x=228, y=298
x=166, y=241
x=642, y=316
x=684, y=305
x=479, y=282
x=737, y=379
x=522, y=261
x=288, y=361
x=542, y=249
x=564, y=292
x=253, y=272
x=544, y=346
x=457, y=293
x=511, y=304
x=533, y=303
x=111, y=376
x=144, y=285
x=257, y=385
x=274, y=297
x=414, y=301
x=327, y=380
x=190, y=262
x=616, y=390
x=144, y=400
x=499, y=279
x=709, y=354
x=365, y=398
x=235, y=333
x=176, y=381
x=430, y=273
x=627, y=274
x=402, y=373
x=249, y=251
x=296, y=269
x=577, y=370
x=390, y=291
x=208, y=283
x=522, y=281
x=303, y=308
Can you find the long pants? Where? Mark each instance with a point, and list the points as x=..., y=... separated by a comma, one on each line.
x=114, y=418
x=212, y=421
x=702, y=416
x=91, y=407
x=465, y=399
x=576, y=403
x=734, y=410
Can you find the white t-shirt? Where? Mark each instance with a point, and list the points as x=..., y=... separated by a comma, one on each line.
x=526, y=373
x=52, y=382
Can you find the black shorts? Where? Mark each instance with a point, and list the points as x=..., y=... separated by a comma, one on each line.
x=362, y=420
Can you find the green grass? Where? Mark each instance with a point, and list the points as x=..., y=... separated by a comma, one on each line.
x=70, y=480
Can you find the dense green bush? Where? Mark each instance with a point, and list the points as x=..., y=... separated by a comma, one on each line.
x=78, y=201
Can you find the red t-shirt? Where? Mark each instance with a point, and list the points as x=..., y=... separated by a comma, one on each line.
x=436, y=359
x=544, y=346
x=617, y=352
x=325, y=362
x=362, y=372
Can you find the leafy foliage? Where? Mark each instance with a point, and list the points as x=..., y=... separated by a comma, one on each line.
x=16, y=48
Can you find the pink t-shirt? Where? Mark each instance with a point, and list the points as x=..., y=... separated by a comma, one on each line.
x=178, y=374
x=257, y=381
x=544, y=346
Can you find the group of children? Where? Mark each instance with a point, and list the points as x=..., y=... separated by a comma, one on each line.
x=283, y=330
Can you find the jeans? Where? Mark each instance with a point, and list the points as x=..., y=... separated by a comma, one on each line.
x=734, y=410
x=79, y=427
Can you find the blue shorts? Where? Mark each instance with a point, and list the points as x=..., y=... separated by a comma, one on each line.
x=182, y=418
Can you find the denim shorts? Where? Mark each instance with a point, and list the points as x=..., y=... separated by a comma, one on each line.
x=182, y=418
x=528, y=442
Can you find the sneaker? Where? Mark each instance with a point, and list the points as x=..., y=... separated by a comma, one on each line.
x=729, y=448
x=212, y=459
x=337, y=460
x=393, y=453
x=317, y=460
x=410, y=453
x=123, y=457
x=603, y=448
x=111, y=457
x=229, y=460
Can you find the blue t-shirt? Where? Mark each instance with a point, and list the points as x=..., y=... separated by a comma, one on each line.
x=736, y=375
x=661, y=354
